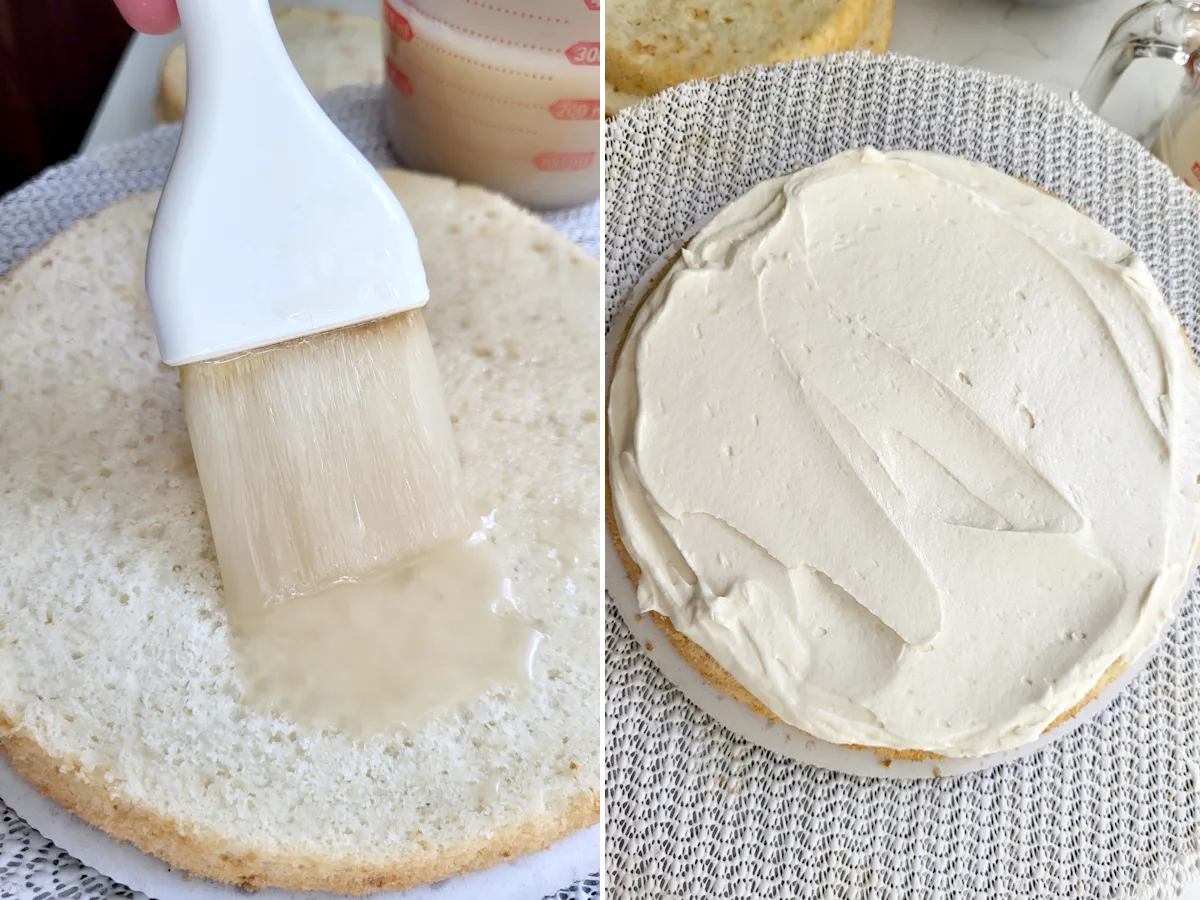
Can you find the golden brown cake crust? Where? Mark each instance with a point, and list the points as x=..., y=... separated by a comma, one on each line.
x=877, y=36
x=208, y=855
x=653, y=44
x=168, y=105
x=712, y=671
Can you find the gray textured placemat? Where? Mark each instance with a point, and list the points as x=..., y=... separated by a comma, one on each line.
x=30, y=865
x=692, y=810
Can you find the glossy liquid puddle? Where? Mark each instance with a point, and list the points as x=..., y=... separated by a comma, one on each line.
x=384, y=654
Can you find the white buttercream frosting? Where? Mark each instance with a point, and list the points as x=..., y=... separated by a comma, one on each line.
x=910, y=448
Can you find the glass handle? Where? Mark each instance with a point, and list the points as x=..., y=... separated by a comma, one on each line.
x=1154, y=30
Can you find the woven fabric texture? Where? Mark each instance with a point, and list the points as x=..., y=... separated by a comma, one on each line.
x=30, y=865
x=692, y=810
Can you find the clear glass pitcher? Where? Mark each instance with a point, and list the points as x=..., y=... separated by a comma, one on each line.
x=1162, y=29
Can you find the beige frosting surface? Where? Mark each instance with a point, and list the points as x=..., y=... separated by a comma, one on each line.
x=910, y=448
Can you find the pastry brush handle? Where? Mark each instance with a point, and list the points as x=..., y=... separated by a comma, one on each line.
x=234, y=52
x=271, y=225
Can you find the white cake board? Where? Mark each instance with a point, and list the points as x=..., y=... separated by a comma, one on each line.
x=740, y=718
x=528, y=878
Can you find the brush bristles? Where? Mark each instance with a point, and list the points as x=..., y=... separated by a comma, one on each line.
x=324, y=459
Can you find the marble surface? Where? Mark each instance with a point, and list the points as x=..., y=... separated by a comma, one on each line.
x=1054, y=46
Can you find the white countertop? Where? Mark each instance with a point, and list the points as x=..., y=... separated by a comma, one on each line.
x=1049, y=45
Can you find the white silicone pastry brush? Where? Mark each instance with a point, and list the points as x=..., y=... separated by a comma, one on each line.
x=285, y=280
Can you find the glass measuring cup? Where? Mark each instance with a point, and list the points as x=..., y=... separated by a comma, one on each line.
x=1161, y=29
x=503, y=93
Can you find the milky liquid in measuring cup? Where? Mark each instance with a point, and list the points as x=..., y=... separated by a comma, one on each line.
x=502, y=93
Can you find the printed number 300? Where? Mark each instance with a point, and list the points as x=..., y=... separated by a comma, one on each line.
x=585, y=53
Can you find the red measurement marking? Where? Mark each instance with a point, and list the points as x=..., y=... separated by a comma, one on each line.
x=523, y=15
x=585, y=53
x=396, y=23
x=482, y=65
x=433, y=76
x=575, y=110
x=436, y=122
x=593, y=5
x=479, y=34
x=516, y=129
x=563, y=162
x=399, y=79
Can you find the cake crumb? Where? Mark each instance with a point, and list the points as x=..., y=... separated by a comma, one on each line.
x=885, y=763
x=649, y=647
x=937, y=773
